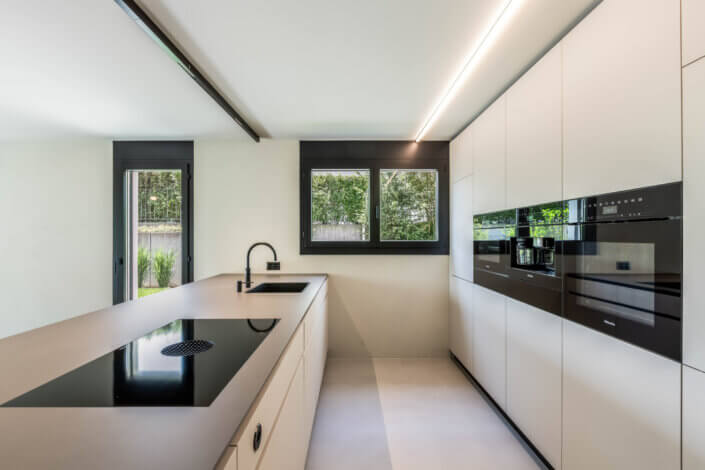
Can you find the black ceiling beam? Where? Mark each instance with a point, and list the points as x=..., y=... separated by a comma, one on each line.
x=153, y=31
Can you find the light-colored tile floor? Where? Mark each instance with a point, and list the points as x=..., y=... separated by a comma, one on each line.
x=408, y=414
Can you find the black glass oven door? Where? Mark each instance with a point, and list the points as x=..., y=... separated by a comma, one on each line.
x=624, y=279
x=492, y=249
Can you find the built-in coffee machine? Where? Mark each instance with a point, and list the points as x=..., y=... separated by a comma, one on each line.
x=538, y=229
x=517, y=253
x=534, y=256
x=534, y=253
x=612, y=262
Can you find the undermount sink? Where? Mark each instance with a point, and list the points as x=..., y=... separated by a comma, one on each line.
x=278, y=288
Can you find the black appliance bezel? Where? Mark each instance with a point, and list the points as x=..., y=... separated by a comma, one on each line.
x=656, y=212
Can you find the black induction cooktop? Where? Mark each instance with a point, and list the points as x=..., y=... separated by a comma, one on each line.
x=183, y=363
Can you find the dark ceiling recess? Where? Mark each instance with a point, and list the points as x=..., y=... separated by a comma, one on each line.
x=153, y=31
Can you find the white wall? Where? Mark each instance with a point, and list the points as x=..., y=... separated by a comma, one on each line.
x=56, y=235
x=379, y=305
x=56, y=243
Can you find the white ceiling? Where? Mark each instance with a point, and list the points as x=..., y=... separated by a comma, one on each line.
x=84, y=68
x=298, y=69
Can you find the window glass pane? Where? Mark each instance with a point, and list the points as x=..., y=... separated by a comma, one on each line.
x=408, y=205
x=154, y=231
x=340, y=205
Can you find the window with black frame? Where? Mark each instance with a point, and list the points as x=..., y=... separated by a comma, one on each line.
x=374, y=197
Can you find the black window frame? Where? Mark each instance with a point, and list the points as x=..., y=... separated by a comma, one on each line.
x=151, y=155
x=375, y=156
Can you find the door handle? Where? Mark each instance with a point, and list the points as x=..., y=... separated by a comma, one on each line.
x=118, y=262
x=257, y=437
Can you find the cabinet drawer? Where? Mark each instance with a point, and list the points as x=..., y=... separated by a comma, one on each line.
x=286, y=448
x=268, y=405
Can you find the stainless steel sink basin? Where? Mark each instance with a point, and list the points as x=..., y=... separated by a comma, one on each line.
x=278, y=288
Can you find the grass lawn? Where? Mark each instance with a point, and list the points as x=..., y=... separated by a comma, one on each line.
x=145, y=291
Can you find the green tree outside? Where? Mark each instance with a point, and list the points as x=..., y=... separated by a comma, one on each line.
x=341, y=197
x=408, y=205
x=159, y=196
x=408, y=202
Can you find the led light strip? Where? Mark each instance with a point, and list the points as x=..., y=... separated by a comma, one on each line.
x=505, y=14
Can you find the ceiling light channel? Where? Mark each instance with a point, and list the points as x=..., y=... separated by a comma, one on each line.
x=507, y=11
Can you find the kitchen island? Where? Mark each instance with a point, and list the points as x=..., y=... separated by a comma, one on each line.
x=180, y=437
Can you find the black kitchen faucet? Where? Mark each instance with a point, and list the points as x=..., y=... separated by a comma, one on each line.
x=271, y=265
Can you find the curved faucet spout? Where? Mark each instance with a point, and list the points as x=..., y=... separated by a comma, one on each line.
x=248, y=274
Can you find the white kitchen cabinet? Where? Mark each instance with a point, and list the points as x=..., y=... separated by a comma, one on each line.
x=693, y=419
x=621, y=98
x=534, y=134
x=228, y=461
x=460, y=321
x=693, y=30
x=693, y=210
x=534, y=376
x=315, y=353
x=489, y=337
x=621, y=404
x=461, y=244
x=268, y=405
x=489, y=158
x=461, y=156
x=285, y=407
x=286, y=449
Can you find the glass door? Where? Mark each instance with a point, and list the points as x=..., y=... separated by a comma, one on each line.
x=154, y=238
x=153, y=243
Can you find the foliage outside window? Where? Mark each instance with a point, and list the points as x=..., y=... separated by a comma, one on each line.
x=144, y=262
x=408, y=205
x=159, y=197
x=164, y=266
x=340, y=205
x=374, y=197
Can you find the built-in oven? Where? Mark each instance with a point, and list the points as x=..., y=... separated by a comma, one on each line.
x=535, y=256
x=622, y=265
x=492, y=233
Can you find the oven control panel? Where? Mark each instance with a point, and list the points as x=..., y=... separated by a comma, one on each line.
x=655, y=202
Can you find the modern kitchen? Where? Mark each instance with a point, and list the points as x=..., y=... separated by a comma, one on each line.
x=322, y=235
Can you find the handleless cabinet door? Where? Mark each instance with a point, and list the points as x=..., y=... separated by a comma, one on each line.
x=489, y=158
x=461, y=156
x=693, y=210
x=693, y=30
x=489, y=342
x=460, y=322
x=693, y=419
x=461, y=247
x=534, y=368
x=315, y=358
x=621, y=98
x=534, y=129
x=286, y=448
x=621, y=404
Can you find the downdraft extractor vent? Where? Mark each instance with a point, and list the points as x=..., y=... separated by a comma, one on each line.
x=187, y=348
